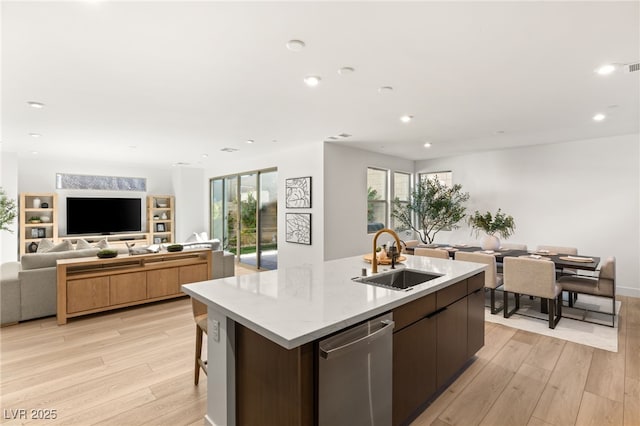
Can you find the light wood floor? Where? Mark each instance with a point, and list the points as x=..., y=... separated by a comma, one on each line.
x=135, y=367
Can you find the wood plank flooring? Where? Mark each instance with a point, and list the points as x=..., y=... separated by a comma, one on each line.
x=135, y=367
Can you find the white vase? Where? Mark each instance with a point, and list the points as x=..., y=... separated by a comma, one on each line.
x=490, y=242
x=36, y=203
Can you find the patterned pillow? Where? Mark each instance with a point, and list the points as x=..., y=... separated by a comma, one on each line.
x=82, y=244
x=63, y=246
x=102, y=244
x=44, y=246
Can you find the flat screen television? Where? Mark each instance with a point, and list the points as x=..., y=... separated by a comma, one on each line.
x=103, y=215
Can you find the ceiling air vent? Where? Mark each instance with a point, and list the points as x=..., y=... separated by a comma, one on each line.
x=229, y=149
x=634, y=67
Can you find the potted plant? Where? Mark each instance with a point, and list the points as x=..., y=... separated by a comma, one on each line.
x=7, y=211
x=34, y=219
x=499, y=223
x=435, y=207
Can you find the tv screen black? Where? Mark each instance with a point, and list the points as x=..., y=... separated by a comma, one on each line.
x=103, y=215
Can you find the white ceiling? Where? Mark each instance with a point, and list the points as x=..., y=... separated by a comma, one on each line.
x=165, y=82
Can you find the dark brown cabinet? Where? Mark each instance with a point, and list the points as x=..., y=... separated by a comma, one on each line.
x=451, y=340
x=434, y=338
x=414, y=367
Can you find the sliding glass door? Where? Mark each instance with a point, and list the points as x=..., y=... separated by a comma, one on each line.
x=244, y=216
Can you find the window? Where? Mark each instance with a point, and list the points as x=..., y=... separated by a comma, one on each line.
x=377, y=199
x=445, y=178
x=401, y=192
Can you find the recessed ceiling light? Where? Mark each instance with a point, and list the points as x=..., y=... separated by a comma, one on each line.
x=133, y=147
x=606, y=69
x=599, y=117
x=34, y=152
x=312, y=80
x=406, y=118
x=35, y=135
x=385, y=89
x=295, y=45
x=249, y=141
x=345, y=70
x=427, y=145
x=205, y=155
x=34, y=104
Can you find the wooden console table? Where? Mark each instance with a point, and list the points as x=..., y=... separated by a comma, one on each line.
x=90, y=285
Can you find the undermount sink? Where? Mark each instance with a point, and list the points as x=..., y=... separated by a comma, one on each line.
x=401, y=279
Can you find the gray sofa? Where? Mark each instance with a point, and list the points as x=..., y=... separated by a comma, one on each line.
x=28, y=287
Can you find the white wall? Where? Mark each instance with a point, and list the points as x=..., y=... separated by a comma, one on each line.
x=583, y=193
x=36, y=174
x=191, y=201
x=304, y=160
x=345, y=198
x=9, y=182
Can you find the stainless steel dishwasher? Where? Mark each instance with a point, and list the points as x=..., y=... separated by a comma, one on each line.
x=355, y=375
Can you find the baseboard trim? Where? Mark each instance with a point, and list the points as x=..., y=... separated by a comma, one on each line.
x=628, y=291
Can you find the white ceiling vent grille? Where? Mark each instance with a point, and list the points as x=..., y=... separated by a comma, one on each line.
x=229, y=149
x=634, y=67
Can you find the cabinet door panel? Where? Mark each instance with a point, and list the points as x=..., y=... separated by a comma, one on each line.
x=85, y=294
x=125, y=288
x=414, y=368
x=475, y=324
x=163, y=282
x=451, y=340
x=193, y=273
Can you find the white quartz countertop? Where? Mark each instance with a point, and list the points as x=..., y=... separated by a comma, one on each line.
x=299, y=304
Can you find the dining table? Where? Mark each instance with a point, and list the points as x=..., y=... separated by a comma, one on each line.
x=561, y=260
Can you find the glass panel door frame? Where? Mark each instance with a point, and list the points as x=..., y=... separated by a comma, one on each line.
x=226, y=215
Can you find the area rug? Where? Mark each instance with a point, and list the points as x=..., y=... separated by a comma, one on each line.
x=599, y=335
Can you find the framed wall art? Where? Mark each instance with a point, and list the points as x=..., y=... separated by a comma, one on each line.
x=298, y=228
x=298, y=192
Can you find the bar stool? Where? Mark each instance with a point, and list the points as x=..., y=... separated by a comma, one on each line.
x=200, y=316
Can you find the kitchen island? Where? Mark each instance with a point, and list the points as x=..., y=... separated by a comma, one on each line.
x=264, y=328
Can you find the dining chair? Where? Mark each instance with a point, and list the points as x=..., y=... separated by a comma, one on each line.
x=602, y=285
x=492, y=279
x=532, y=277
x=513, y=246
x=430, y=252
x=410, y=244
x=200, y=316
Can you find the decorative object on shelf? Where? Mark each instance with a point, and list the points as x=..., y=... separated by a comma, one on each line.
x=33, y=247
x=435, y=206
x=34, y=232
x=162, y=205
x=157, y=240
x=42, y=232
x=44, y=205
x=45, y=219
x=160, y=227
x=499, y=223
x=298, y=192
x=35, y=219
x=114, y=183
x=36, y=203
x=175, y=247
x=107, y=253
x=164, y=216
x=134, y=251
x=7, y=211
x=298, y=228
x=156, y=217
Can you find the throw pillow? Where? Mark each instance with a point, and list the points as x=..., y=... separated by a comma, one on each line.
x=193, y=238
x=44, y=246
x=63, y=246
x=204, y=236
x=82, y=244
x=102, y=244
